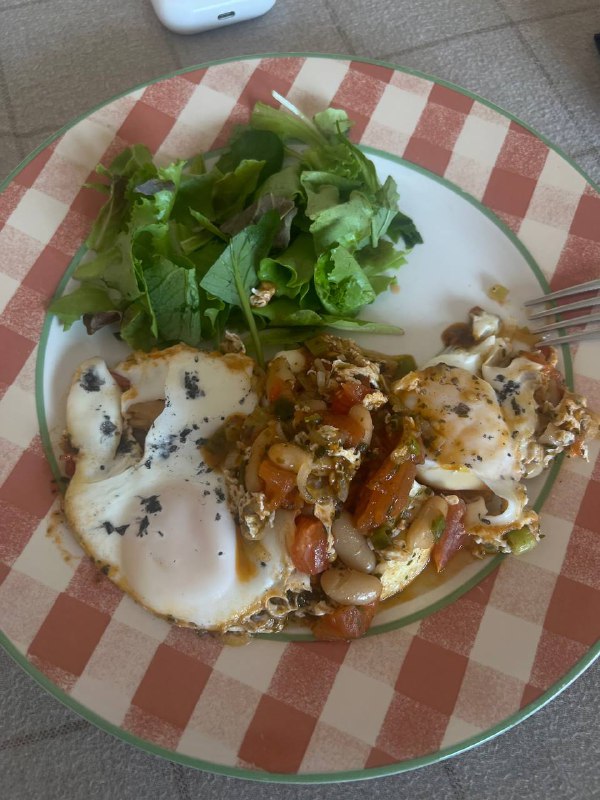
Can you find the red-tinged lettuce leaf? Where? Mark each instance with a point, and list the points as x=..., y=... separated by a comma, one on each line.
x=83, y=300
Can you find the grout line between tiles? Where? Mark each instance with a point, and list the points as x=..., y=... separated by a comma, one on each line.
x=536, y=60
x=444, y=40
x=10, y=112
x=552, y=15
x=510, y=23
x=43, y=735
x=25, y=4
x=348, y=43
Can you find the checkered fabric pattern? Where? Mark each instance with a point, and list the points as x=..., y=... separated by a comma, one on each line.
x=276, y=706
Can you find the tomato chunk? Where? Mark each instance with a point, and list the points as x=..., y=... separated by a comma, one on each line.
x=308, y=549
x=384, y=496
x=350, y=428
x=345, y=622
x=453, y=538
x=348, y=395
x=279, y=483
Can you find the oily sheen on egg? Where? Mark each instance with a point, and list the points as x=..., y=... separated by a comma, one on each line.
x=157, y=517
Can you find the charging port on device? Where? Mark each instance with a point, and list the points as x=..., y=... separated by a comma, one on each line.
x=226, y=15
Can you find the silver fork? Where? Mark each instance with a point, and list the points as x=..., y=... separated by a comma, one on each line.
x=552, y=333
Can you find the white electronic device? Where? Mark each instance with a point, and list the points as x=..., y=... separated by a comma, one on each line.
x=193, y=16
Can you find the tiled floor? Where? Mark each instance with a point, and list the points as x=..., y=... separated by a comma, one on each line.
x=536, y=58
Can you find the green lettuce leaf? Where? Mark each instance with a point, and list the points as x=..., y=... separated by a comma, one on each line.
x=341, y=284
x=291, y=271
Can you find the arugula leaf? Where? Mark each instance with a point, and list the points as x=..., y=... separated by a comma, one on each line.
x=231, y=191
x=136, y=326
x=174, y=296
x=403, y=227
x=195, y=193
x=377, y=261
x=112, y=269
x=234, y=273
x=254, y=145
x=132, y=165
x=284, y=311
x=385, y=213
x=254, y=212
x=205, y=223
x=83, y=300
x=361, y=325
x=341, y=284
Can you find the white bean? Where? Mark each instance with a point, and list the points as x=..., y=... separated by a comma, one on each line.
x=351, y=546
x=420, y=533
x=349, y=587
x=362, y=415
x=288, y=456
x=295, y=358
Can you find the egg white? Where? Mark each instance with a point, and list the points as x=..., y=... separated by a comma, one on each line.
x=158, y=519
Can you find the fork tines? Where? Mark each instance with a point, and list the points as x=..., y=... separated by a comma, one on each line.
x=547, y=331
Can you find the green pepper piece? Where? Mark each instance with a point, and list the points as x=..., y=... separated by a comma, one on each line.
x=438, y=525
x=380, y=538
x=404, y=365
x=521, y=540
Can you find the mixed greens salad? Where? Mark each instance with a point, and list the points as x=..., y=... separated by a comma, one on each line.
x=272, y=239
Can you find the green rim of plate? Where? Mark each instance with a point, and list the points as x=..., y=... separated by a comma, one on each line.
x=347, y=775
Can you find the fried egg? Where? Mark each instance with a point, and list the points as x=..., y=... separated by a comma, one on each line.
x=478, y=415
x=155, y=517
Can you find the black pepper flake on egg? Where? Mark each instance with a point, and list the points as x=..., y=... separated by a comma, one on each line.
x=166, y=446
x=183, y=435
x=518, y=410
x=107, y=427
x=143, y=526
x=461, y=410
x=220, y=495
x=110, y=528
x=220, y=553
x=151, y=505
x=91, y=381
x=205, y=493
x=201, y=441
x=191, y=384
x=509, y=389
x=217, y=517
x=148, y=463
